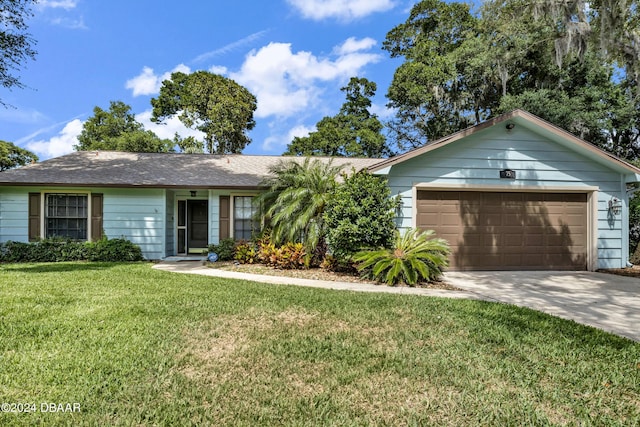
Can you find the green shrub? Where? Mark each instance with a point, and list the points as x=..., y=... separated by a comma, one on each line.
x=341, y=265
x=57, y=250
x=48, y=250
x=290, y=256
x=267, y=252
x=416, y=257
x=113, y=250
x=360, y=215
x=225, y=250
x=246, y=253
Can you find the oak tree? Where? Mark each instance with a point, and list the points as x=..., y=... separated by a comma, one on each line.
x=353, y=132
x=118, y=130
x=463, y=67
x=12, y=156
x=211, y=103
x=16, y=44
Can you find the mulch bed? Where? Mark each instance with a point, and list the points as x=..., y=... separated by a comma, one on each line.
x=312, y=273
x=629, y=272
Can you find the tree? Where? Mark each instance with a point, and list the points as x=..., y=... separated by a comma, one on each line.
x=189, y=145
x=294, y=202
x=463, y=68
x=16, y=44
x=360, y=215
x=12, y=156
x=353, y=132
x=213, y=104
x=430, y=90
x=118, y=130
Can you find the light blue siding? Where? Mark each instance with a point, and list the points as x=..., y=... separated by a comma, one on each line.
x=14, y=221
x=137, y=215
x=477, y=160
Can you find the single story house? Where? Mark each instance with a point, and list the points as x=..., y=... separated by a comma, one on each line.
x=512, y=193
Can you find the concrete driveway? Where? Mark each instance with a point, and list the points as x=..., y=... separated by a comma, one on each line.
x=608, y=302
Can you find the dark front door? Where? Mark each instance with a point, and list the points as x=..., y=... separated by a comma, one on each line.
x=197, y=226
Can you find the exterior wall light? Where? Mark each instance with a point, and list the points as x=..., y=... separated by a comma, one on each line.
x=193, y=193
x=510, y=126
x=615, y=206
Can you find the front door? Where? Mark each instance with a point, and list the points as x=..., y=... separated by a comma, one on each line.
x=193, y=226
x=197, y=225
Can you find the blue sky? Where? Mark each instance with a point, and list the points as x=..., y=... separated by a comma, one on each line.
x=294, y=55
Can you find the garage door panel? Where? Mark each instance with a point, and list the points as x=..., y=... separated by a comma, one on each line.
x=492, y=218
x=512, y=240
x=513, y=220
x=533, y=261
x=573, y=220
x=514, y=260
x=469, y=240
x=492, y=230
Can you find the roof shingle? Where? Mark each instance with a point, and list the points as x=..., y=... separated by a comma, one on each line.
x=124, y=169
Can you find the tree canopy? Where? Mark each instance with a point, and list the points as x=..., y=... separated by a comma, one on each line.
x=16, y=44
x=353, y=132
x=12, y=156
x=572, y=64
x=213, y=104
x=118, y=130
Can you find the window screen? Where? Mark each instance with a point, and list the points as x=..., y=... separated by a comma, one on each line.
x=244, y=224
x=66, y=216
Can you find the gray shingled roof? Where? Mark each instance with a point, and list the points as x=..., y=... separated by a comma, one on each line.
x=122, y=169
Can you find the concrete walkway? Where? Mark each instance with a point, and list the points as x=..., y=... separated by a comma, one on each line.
x=605, y=301
x=195, y=267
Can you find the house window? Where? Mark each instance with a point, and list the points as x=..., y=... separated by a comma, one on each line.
x=244, y=222
x=66, y=216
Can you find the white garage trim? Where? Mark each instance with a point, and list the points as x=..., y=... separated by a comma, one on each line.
x=590, y=191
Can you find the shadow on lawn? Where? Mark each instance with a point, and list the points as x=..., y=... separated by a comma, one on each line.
x=510, y=323
x=59, y=267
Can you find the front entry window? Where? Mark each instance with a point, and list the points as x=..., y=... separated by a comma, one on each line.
x=66, y=216
x=244, y=223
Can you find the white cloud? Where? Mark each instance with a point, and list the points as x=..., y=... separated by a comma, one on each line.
x=345, y=10
x=382, y=111
x=278, y=142
x=286, y=83
x=219, y=69
x=58, y=12
x=57, y=4
x=60, y=144
x=168, y=128
x=149, y=83
x=352, y=45
x=72, y=24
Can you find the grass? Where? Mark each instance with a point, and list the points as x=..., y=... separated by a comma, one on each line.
x=135, y=346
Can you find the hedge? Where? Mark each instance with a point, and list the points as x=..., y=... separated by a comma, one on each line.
x=56, y=250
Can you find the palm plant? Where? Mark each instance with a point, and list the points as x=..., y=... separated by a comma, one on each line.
x=294, y=202
x=416, y=256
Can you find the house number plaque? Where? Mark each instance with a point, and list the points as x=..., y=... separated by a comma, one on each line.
x=508, y=174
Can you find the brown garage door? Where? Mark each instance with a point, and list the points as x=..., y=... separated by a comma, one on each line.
x=508, y=231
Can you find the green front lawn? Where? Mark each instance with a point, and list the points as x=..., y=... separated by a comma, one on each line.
x=135, y=346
